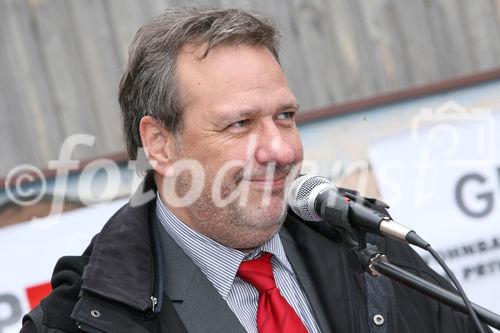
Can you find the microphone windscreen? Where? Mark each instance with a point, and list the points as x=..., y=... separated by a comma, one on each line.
x=302, y=195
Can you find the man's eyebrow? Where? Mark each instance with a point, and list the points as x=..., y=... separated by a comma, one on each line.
x=230, y=115
x=291, y=105
x=248, y=112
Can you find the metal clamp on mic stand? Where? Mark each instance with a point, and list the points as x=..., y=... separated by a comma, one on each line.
x=367, y=258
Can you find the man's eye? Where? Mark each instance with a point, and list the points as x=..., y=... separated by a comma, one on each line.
x=285, y=115
x=241, y=123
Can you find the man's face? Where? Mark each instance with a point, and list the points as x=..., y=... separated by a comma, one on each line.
x=238, y=122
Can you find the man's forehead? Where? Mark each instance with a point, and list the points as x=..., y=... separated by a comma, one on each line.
x=231, y=72
x=230, y=59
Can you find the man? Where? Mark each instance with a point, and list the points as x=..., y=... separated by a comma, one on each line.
x=205, y=97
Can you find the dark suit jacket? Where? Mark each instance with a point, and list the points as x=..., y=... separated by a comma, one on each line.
x=198, y=303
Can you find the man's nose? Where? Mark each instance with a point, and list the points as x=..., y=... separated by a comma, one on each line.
x=273, y=145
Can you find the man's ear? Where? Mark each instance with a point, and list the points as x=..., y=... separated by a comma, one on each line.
x=158, y=144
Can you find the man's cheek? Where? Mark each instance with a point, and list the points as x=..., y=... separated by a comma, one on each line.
x=300, y=150
x=296, y=143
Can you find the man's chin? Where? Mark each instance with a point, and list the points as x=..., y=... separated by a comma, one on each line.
x=266, y=216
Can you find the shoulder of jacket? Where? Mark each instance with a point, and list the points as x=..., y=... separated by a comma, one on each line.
x=32, y=321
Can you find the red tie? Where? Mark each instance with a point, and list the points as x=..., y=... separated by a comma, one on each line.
x=274, y=314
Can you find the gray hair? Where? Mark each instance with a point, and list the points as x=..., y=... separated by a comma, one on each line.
x=149, y=85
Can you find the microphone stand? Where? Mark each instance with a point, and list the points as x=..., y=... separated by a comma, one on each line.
x=367, y=258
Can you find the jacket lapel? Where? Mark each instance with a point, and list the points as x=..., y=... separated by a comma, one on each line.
x=339, y=288
x=305, y=281
x=197, y=302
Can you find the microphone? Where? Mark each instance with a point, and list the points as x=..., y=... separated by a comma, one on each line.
x=315, y=198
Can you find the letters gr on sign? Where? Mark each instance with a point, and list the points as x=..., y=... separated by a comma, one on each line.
x=484, y=197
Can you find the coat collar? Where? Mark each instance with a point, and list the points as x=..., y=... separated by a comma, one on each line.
x=122, y=265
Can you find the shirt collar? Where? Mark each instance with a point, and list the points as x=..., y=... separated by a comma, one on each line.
x=218, y=262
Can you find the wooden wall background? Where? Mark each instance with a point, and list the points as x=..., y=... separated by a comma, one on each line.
x=60, y=60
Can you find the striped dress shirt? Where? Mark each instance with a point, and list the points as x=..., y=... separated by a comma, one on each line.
x=220, y=264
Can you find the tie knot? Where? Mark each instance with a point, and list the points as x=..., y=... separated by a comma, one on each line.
x=258, y=272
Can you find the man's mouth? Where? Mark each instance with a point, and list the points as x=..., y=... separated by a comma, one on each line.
x=265, y=180
x=274, y=183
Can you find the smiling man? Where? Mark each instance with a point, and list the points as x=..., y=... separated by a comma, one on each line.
x=238, y=125
x=237, y=107
x=206, y=99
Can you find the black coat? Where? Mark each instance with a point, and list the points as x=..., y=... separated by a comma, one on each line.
x=113, y=285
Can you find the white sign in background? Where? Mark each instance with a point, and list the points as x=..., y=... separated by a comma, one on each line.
x=443, y=180
x=29, y=252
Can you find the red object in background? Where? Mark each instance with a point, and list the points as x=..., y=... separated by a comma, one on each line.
x=37, y=293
